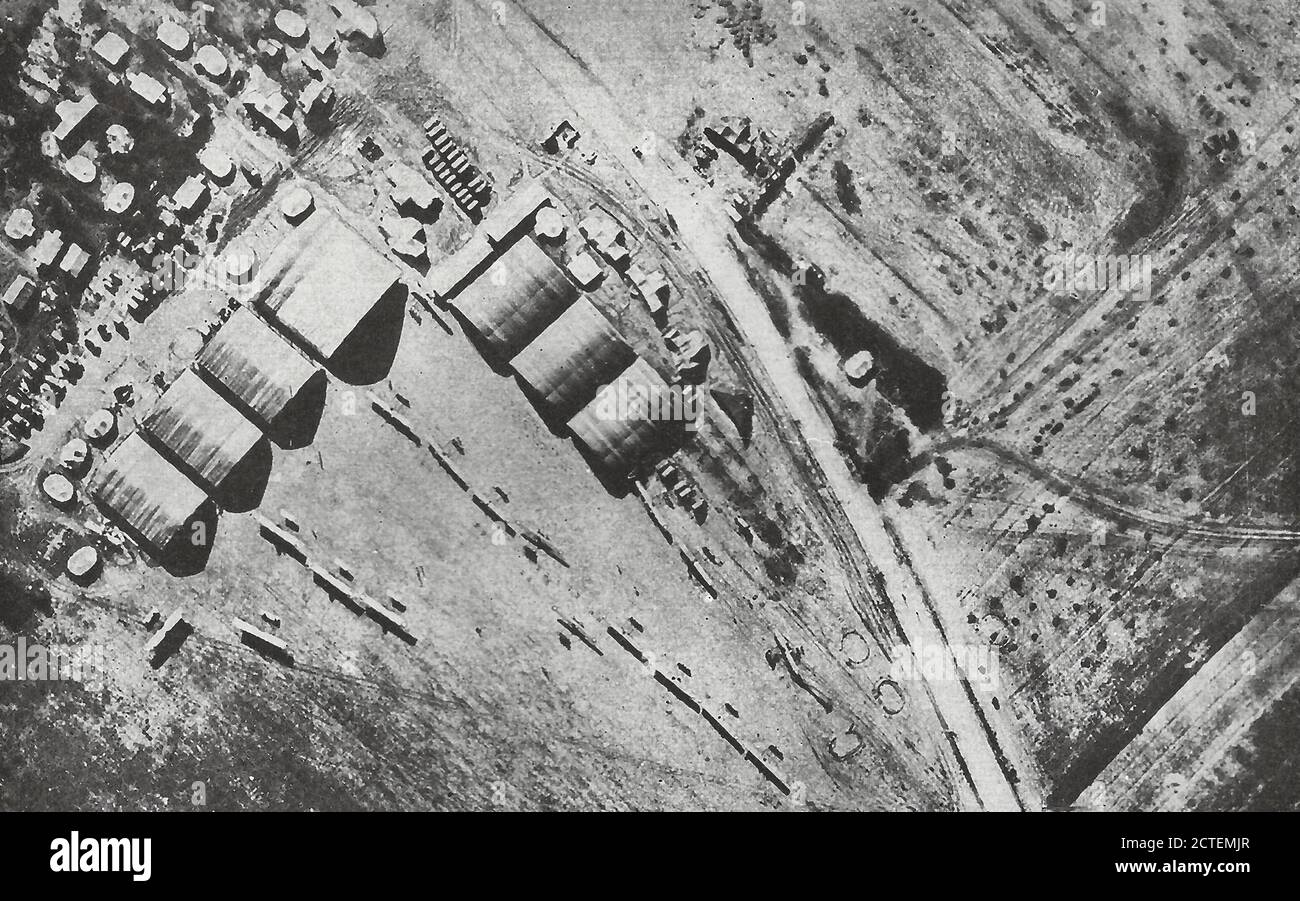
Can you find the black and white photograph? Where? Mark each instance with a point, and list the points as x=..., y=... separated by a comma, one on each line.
x=650, y=406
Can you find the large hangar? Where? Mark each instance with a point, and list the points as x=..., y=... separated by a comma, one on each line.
x=323, y=282
x=150, y=494
x=256, y=366
x=625, y=424
x=577, y=354
x=203, y=431
x=519, y=296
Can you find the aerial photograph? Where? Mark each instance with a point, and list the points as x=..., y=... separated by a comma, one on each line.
x=649, y=405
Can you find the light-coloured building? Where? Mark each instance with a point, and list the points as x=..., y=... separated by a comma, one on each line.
x=112, y=49
x=74, y=118
x=19, y=293
x=175, y=38
x=149, y=89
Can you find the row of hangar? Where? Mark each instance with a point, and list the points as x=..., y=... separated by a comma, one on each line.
x=528, y=313
x=318, y=299
x=251, y=385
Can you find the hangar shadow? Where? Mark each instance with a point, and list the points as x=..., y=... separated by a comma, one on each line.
x=187, y=552
x=295, y=426
x=243, y=488
x=366, y=356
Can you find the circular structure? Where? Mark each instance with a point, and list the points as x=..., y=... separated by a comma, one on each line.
x=119, y=139
x=119, y=198
x=290, y=24
x=845, y=745
x=74, y=457
x=297, y=205
x=84, y=563
x=20, y=225
x=240, y=264
x=995, y=627
x=855, y=648
x=218, y=165
x=550, y=224
x=890, y=696
x=860, y=366
x=58, y=489
x=101, y=425
x=211, y=62
x=82, y=169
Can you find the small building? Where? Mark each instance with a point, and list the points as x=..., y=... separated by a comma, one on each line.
x=47, y=249
x=515, y=215
x=584, y=270
x=654, y=290
x=19, y=293
x=549, y=225
x=563, y=137
x=148, y=89
x=217, y=164
x=84, y=563
x=175, y=38
x=600, y=230
x=20, y=227
x=297, y=205
x=263, y=641
x=356, y=23
x=607, y=236
x=58, y=489
x=75, y=457
x=270, y=51
x=82, y=169
x=411, y=194
x=74, y=120
x=270, y=110
x=192, y=196
x=118, y=199
x=406, y=236
x=860, y=366
x=173, y=629
x=317, y=99
x=112, y=49
x=75, y=260
x=290, y=24
x=210, y=61
x=119, y=139
x=101, y=426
